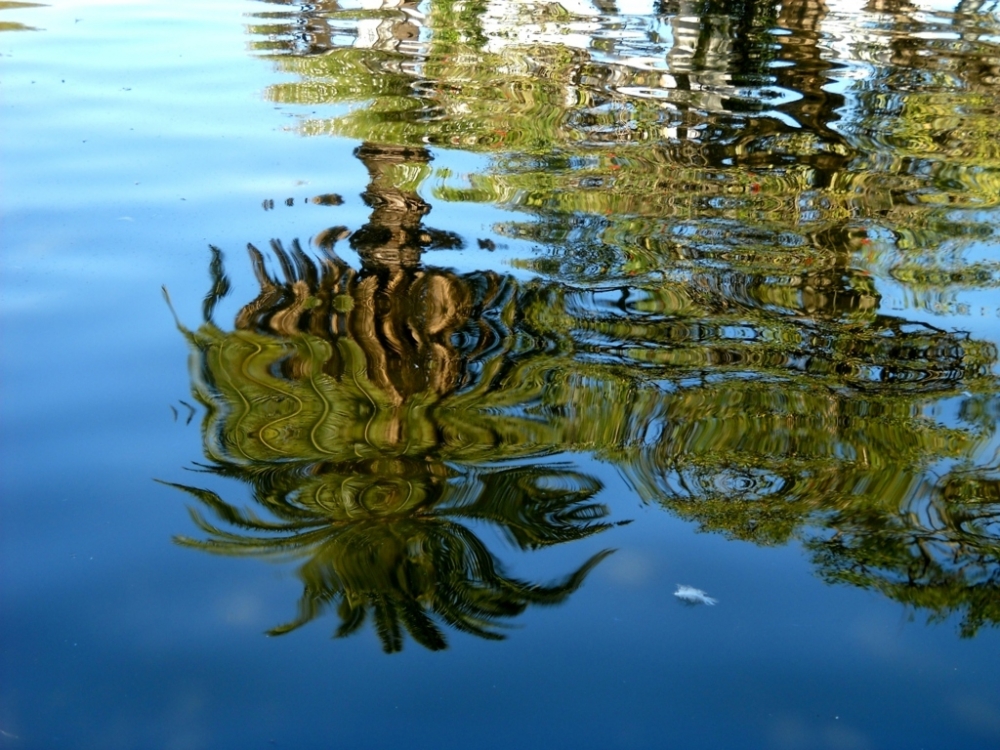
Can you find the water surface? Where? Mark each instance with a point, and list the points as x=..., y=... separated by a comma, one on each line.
x=463, y=333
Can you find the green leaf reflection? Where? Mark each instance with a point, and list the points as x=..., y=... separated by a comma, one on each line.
x=374, y=413
x=773, y=135
x=717, y=204
x=362, y=408
x=391, y=540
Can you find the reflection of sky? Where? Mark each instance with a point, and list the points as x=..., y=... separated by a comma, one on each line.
x=149, y=645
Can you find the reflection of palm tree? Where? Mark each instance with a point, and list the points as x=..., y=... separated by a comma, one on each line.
x=391, y=540
x=384, y=533
x=374, y=404
x=395, y=233
x=358, y=406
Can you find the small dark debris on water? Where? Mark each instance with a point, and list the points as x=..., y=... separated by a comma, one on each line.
x=328, y=199
x=487, y=244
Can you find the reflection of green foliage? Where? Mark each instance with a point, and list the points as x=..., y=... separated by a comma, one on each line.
x=363, y=412
x=391, y=539
x=385, y=399
x=855, y=479
x=943, y=557
x=511, y=108
x=609, y=155
x=339, y=404
x=715, y=224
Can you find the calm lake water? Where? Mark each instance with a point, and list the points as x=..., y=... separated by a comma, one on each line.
x=373, y=373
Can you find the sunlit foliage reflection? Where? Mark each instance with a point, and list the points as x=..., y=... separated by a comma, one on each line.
x=718, y=197
x=370, y=412
x=367, y=411
x=698, y=133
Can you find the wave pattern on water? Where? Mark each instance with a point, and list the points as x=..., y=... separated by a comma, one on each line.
x=746, y=218
x=372, y=396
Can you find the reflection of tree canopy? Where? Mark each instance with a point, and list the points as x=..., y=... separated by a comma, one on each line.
x=361, y=429
x=704, y=131
x=941, y=555
x=720, y=193
x=390, y=538
x=367, y=411
x=360, y=408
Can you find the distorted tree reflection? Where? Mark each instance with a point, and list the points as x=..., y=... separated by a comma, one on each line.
x=391, y=540
x=702, y=133
x=943, y=556
x=367, y=421
x=357, y=405
x=718, y=206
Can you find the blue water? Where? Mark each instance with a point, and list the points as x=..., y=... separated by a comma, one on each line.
x=136, y=134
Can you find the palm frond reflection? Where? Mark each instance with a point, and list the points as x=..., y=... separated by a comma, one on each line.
x=376, y=414
x=393, y=543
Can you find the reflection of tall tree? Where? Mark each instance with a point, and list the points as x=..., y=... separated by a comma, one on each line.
x=474, y=82
x=352, y=404
x=395, y=234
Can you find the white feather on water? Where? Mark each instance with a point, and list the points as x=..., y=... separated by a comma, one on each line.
x=691, y=595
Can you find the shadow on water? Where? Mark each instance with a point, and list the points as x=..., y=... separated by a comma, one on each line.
x=719, y=196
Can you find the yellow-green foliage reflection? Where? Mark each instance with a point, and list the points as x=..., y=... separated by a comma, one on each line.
x=708, y=130
x=374, y=414
x=374, y=411
x=716, y=209
x=391, y=540
x=369, y=410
